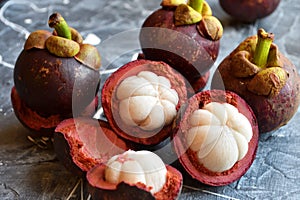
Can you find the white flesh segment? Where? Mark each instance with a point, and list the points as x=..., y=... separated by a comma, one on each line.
x=218, y=110
x=135, y=86
x=137, y=166
x=202, y=117
x=169, y=111
x=223, y=156
x=167, y=94
x=125, y=113
x=242, y=125
x=155, y=118
x=112, y=172
x=151, y=77
x=242, y=144
x=140, y=107
x=219, y=146
x=141, y=97
x=213, y=134
x=164, y=81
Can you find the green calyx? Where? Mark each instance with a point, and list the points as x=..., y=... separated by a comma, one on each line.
x=196, y=12
x=264, y=41
x=185, y=15
x=65, y=42
x=188, y=13
x=61, y=27
x=259, y=59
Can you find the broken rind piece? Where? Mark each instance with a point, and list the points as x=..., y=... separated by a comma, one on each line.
x=147, y=101
x=134, y=167
x=222, y=138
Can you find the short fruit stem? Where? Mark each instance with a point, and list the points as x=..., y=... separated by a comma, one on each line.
x=57, y=22
x=263, y=45
x=196, y=5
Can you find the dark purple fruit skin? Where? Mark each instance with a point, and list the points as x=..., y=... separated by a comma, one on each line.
x=249, y=11
x=182, y=47
x=51, y=85
x=271, y=112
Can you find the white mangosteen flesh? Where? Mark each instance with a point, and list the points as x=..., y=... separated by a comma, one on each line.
x=219, y=134
x=147, y=100
x=134, y=167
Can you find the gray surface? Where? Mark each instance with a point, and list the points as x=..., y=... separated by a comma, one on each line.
x=30, y=172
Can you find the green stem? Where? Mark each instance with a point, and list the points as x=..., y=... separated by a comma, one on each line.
x=262, y=50
x=196, y=5
x=61, y=27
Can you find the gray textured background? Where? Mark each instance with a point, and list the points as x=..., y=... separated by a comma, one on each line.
x=30, y=172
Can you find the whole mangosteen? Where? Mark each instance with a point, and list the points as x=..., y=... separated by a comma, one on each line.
x=184, y=35
x=264, y=77
x=216, y=137
x=56, y=77
x=249, y=11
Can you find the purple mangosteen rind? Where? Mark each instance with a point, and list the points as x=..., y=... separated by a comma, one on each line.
x=188, y=158
x=40, y=125
x=190, y=48
x=55, y=77
x=249, y=11
x=273, y=91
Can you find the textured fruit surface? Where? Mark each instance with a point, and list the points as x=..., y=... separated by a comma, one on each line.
x=272, y=111
x=81, y=143
x=182, y=47
x=249, y=11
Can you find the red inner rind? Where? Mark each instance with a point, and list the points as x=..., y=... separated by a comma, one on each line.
x=188, y=158
x=110, y=102
x=90, y=142
x=42, y=125
x=101, y=188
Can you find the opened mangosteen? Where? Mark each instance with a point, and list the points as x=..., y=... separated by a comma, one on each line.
x=141, y=99
x=184, y=35
x=82, y=143
x=216, y=137
x=264, y=77
x=134, y=175
x=56, y=77
x=249, y=11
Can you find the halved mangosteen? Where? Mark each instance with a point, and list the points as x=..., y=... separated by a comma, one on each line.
x=141, y=99
x=216, y=137
x=134, y=175
x=82, y=143
x=184, y=35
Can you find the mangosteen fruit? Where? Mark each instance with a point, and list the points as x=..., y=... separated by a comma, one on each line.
x=82, y=143
x=258, y=72
x=249, y=11
x=141, y=99
x=216, y=137
x=184, y=35
x=134, y=175
x=56, y=77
